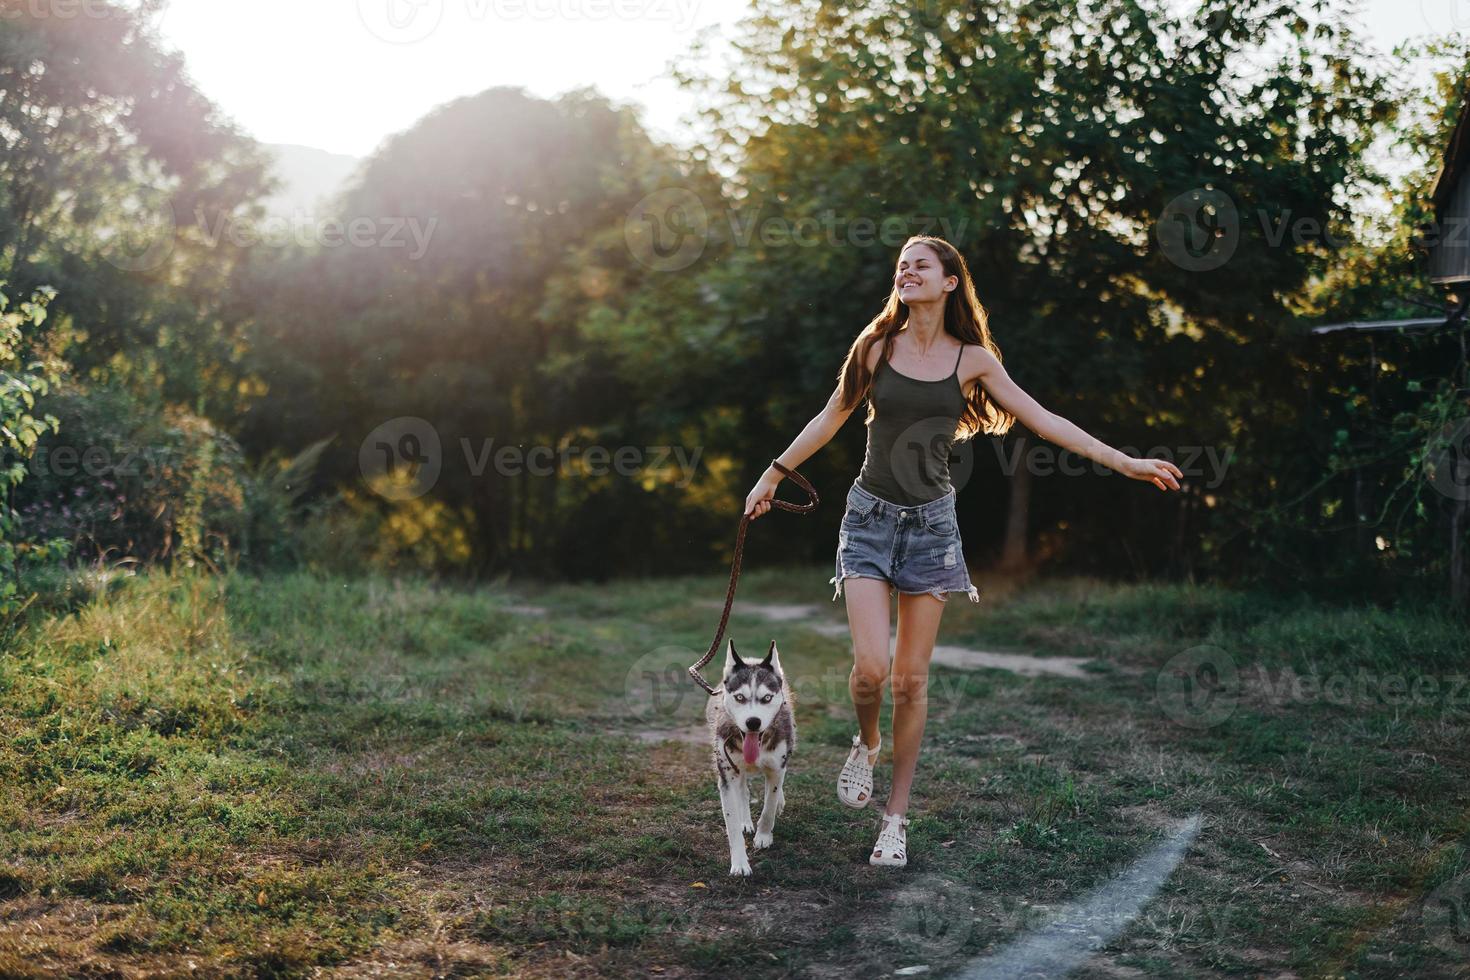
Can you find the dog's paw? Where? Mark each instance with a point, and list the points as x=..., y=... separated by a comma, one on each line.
x=762, y=840
x=747, y=828
x=740, y=866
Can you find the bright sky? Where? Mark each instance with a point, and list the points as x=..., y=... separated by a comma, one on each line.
x=343, y=74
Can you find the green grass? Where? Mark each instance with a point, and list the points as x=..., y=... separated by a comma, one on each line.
x=261, y=777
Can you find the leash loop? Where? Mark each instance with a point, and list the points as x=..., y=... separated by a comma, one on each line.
x=745, y=520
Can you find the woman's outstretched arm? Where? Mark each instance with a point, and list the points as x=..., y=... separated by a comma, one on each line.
x=1052, y=427
x=818, y=432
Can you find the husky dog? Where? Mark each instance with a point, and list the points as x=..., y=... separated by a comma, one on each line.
x=752, y=726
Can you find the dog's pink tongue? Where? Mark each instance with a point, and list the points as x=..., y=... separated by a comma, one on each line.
x=752, y=747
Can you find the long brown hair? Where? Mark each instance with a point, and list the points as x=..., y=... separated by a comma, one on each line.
x=965, y=319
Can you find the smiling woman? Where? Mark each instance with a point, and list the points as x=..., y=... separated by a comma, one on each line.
x=900, y=531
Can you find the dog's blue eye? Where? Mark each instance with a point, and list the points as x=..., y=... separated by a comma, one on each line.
x=740, y=698
x=767, y=699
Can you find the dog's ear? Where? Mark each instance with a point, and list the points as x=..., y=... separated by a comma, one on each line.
x=732, y=659
x=773, y=658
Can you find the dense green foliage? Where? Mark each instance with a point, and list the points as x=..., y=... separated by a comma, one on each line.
x=1155, y=204
x=23, y=378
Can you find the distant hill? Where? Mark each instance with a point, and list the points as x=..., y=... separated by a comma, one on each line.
x=309, y=177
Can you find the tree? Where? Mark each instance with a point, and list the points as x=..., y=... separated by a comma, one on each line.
x=116, y=178
x=498, y=327
x=1092, y=159
x=22, y=379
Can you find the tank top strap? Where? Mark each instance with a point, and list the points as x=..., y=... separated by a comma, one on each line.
x=958, y=359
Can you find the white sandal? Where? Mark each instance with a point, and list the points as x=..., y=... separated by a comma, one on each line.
x=855, y=782
x=892, y=846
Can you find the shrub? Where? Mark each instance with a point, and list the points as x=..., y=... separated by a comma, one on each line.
x=25, y=372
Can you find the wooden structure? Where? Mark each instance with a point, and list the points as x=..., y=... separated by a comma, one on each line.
x=1448, y=251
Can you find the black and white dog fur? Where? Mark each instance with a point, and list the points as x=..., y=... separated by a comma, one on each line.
x=752, y=726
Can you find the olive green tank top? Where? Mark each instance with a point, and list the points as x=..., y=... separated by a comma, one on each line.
x=909, y=438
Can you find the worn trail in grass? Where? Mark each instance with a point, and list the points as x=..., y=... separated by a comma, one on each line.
x=268, y=776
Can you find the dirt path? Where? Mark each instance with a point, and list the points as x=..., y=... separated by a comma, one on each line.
x=1083, y=926
x=945, y=655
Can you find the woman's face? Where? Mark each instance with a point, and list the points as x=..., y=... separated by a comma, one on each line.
x=920, y=277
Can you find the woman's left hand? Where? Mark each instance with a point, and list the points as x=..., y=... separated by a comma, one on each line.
x=1160, y=472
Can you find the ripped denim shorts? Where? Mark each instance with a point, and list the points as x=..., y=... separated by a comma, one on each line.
x=915, y=549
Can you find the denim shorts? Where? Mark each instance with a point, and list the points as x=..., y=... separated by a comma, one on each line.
x=915, y=549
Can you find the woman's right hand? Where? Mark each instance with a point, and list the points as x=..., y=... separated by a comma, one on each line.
x=758, y=501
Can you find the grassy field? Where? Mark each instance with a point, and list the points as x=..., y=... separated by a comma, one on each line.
x=300, y=776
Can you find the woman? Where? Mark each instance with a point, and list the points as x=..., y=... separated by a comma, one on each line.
x=932, y=374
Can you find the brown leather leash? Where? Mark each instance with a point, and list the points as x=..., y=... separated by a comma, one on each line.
x=745, y=520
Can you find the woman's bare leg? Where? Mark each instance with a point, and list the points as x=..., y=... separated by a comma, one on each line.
x=867, y=619
x=918, y=625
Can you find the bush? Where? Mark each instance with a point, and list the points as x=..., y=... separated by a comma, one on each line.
x=133, y=481
x=25, y=372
